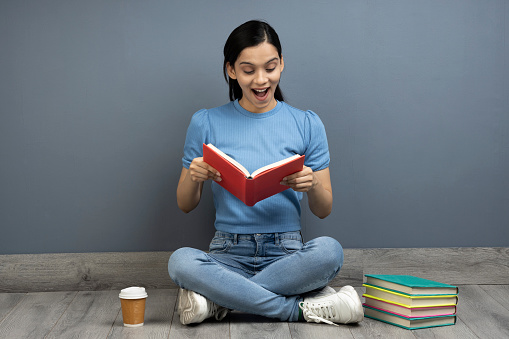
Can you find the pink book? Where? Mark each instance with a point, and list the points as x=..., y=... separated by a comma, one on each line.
x=410, y=312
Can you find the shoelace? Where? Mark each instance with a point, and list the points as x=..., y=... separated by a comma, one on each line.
x=318, y=313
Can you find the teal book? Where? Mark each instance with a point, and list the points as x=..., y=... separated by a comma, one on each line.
x=410, y=285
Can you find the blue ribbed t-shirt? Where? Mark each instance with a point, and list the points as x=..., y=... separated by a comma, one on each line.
x=256, y=140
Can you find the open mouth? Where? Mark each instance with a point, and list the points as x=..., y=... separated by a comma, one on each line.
x=261, y=94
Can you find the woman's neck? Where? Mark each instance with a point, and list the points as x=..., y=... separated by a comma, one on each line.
x=248, y=106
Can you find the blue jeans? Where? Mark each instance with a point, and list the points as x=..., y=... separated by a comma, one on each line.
x=263, y=274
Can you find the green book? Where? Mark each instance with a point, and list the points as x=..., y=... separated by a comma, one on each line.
x=411, y=285
x=409, y=323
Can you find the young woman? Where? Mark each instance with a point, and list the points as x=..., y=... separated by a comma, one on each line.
x=257, y=262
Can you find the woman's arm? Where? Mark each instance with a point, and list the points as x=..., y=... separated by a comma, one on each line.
x=190, y=184
x=318, y=187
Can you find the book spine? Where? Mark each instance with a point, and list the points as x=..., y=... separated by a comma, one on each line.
x=249, y=192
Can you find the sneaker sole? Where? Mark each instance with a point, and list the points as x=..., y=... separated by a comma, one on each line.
x=187, y=307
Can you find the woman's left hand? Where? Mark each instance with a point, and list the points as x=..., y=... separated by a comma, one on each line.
x=302, y=181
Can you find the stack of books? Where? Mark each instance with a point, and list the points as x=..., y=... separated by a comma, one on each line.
x=409, y=302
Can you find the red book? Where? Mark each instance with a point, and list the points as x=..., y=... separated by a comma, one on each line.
x=251, y=187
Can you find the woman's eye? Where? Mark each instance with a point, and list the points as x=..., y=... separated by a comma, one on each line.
x=270, y=69
x=249, y=72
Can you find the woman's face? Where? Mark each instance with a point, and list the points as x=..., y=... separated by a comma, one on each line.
x=257, y=70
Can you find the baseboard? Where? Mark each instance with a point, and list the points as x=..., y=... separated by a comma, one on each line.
x=456, y=266
x=114, y=270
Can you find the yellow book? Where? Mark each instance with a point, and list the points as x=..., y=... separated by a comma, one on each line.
x=407, y=300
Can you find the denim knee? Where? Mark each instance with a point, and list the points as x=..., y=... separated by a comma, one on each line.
x=333, y=252
x=180, y=264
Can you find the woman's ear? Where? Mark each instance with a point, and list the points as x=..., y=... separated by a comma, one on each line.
x=231, y=71
x=282, y=64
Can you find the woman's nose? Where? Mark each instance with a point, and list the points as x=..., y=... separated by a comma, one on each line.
x=261, y=77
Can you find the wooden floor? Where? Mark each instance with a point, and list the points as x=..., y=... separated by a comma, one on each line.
x=483, y=312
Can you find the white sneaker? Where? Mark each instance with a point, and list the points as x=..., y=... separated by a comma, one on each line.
x=326, y=291
x=343, y=307
x=194, y=308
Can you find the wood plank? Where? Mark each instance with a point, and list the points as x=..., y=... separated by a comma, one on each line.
x=7, y=303
x=306, y=330
x=84, y=271
x=499, y=292
x=35, y=315
x=103, y=271
x=482, y=314
x=246, y=326
x=90, y=315
x=158, y=315
x=456, y=331
x=457, y=266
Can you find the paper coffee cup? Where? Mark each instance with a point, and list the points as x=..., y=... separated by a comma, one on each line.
x=133, y=300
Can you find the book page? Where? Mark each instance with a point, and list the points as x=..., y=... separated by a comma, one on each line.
x=276, y=164
x=230, y=160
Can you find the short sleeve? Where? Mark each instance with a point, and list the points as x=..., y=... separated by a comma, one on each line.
x=317, y=151
x=197, y=135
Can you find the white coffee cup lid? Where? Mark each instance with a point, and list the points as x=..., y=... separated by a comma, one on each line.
x=133, y=293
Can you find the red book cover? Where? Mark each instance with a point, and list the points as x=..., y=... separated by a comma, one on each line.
x=251, y=188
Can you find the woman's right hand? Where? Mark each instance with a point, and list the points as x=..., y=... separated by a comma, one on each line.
x=200, y=171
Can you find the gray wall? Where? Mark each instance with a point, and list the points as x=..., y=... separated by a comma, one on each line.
x=96, y=96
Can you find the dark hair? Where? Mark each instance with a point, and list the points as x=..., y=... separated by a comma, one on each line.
x=249, y=34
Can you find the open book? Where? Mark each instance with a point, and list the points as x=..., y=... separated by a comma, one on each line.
x=251, y=187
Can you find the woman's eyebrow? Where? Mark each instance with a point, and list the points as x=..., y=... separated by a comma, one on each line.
x=271, y=60
x=251, y=64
